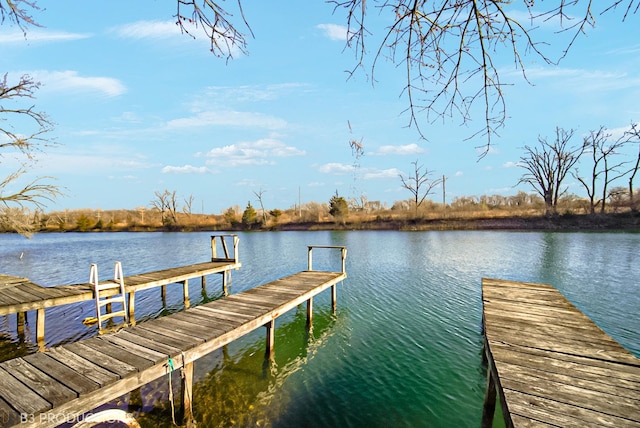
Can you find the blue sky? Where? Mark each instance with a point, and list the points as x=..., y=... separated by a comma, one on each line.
x=141, y=108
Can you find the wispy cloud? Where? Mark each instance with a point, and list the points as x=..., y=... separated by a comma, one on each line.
x=581, y=80
x=40, y=36
x=147, y=30
x=375, y=174
x=334, y=31
x=261, y=152
x=335, y=168
x=407, y=149
x=168, y=30
x=246, y=93
x=185, y=169
x=228, y=118
x=69, y=81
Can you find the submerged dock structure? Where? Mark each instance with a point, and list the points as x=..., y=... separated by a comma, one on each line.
x=49, y=388
x=550, y=364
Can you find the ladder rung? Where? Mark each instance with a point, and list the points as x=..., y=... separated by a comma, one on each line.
x=113, y=314
x=112, y=300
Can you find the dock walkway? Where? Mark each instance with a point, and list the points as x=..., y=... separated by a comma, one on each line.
x=48, y=388
x=550, y=364
x=20, y=295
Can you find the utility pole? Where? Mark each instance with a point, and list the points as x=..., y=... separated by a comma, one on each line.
x=444, y=194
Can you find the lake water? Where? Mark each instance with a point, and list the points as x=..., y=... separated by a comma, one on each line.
x=402, y=350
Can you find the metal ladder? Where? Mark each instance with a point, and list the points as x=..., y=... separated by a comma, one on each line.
x=105, y=295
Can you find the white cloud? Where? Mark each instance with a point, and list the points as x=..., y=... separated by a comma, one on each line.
x=170, y=30
x=229, y=118
x=148, y=30
x=335, y=168
x=40, y=36
x=258, y=152
x=66, y=81
x=334, y=31
x=407, y=149
x=185, y=169
x=374, y=174
x=510, y=164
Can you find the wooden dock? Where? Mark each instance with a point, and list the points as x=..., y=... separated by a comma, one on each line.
x=19, y=295
x=48, y=388
x=550, y=364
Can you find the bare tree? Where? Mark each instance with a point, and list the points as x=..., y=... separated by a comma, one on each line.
x=633, y=135
x=188, y=204
x=167, y=204
x=264, y=213
x=548, y=165
x=604, y=166
x=419, y=184
x=449, y=49
x=22, y=145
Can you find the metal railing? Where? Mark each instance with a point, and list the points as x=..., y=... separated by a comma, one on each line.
x=222, y=239
x=343, y=254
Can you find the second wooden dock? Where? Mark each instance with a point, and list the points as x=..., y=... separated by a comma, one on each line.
x=550, y=364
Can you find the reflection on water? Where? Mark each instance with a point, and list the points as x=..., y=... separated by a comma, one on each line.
x=403, y=349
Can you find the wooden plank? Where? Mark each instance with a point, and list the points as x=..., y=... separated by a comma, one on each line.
x=62, y=373
x=183, y=327
x=250, y=302
x=137, y=349
x=163, y=348
x=167, y=336
x=231, y=315
x=232, y=321
x=105, y=361
x=587, y=368
x=572, y=394
x=118, y=353
x=221, y=326
x=21, y=397
x=8, y=415
x=83, y=366
x=42, y=384
x=556, y=413
x=236, y=307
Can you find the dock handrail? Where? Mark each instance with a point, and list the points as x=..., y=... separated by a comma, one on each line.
x=225, y=248
x=343, y=254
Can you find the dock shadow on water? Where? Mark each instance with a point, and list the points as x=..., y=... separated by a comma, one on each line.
x=236, y=385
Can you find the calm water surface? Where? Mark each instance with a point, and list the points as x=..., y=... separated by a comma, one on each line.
x=403, y=348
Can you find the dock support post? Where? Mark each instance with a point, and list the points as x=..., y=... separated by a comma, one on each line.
x=271, y=328
x=225, y=285
x=163, y=293
x=40, y=328
x=489, y=407
x=334, y=297
x=185, y=293
x=204, y=284
x=131, y=307
x=309, y=311
x=21, y=318
x=187, y=395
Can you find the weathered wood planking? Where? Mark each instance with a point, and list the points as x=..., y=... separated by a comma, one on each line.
x=78, y=377
x=551, y=365
x=22, y=296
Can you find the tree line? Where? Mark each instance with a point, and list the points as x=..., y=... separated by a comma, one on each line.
x=447, y=50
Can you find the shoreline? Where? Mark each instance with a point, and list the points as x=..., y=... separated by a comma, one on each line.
x=628, y=221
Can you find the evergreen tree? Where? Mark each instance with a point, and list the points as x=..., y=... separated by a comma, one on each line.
x=338, y=207
x=249, y=216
